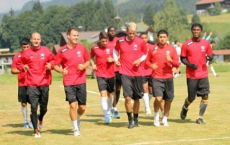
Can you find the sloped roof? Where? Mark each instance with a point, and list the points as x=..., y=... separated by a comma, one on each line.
x=222, y=52
x=208, y=1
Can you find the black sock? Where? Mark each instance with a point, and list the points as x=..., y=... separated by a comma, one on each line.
x=135, y=116
x=130, y=117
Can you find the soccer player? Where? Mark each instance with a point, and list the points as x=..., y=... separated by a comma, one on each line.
x=161, y=59
x=147, y=80
x=194, y=53
x=37, y=62
x=74, y=59
x=117, y=86
x=103, y=52
x=132, y=51
x=22, y=86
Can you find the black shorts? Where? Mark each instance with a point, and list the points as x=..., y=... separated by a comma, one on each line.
x=22, y=94
x=38, y=95
x=199, y=87
x=132, y=86
x=164, y=88
x=105, y=84
x=117, y=79
x=76, y=93
x=147, y=79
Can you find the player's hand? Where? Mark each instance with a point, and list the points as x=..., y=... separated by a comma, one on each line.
x=169, y=58
x=118, y=63
x=194, y=66
x=94, y=67
x=25, y=67
x=204, y=33
x=154, y=66
x=110, y=59
x=65, y=71
x=137, y=62
x=81, y=67
x=48, y=66
x=210, y=33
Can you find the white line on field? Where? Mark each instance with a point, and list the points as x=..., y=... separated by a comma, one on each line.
x=183, y=140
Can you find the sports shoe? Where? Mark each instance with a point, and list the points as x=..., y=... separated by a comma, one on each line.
x=37, y=134
x=148, y=111
x=200, y=121
x=116, y=115
x=131, y=124
x=79, y=124
x=183, y=113
x=108, y=119
x=156, y=122
x=26, y=125
x=40, y=123
x=136, y=123
x=165, y=122
x=76, y=133
x=31, y=125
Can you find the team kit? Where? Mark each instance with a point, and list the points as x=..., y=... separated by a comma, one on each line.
x=143, y=70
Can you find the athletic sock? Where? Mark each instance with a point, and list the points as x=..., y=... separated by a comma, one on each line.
x=135, y=116
x=24, y=114
x=110, y=103
x=150, y=97
x=74, y=123
x=203, y=106
x=186, y=103
x=78, y=116
x=146, y=101
x=213, y=71
x=104, y=105
x=115, y=108
x=156, y=115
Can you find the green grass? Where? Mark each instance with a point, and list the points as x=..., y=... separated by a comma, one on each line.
x=57, y=128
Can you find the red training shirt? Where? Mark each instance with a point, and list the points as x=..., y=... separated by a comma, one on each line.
x=70, y=59
x=195, y=53
x=158, y=55
x=104, y=68
x=36, y=59
x=22, y=75
x=130, y=51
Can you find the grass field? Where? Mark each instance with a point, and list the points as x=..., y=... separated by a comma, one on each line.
x=57, y=129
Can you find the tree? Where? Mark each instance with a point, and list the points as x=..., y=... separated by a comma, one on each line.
x=224, y=43
x=37, y=7
x=195, y=19
x=183, y=17
x=169, y=19
x=216, y=10
x=11, y=12
x=148, y=16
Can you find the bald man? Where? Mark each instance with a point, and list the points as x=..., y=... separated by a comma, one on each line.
x=37, y=62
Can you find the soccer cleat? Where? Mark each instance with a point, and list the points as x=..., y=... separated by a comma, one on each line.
x=37, y=134
x=165, y=122
x=200, y=121
x=183, y=113
x=76, y=133
x=156, y=122
x=148, y=111
x=108, y=119
x=116, y=115
x=31, y=125
x=78, y=124
x=26, y=125
x=131, y=124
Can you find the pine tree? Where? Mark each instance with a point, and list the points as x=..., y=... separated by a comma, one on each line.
x=148, y=16
x=195, y=19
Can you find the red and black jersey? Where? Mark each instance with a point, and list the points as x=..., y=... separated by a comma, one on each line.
x=195, y=53
x=130, y=51
x=70, y=59
x=22, y=76
x=104, y=68
x=37, y=59
x=158, y=55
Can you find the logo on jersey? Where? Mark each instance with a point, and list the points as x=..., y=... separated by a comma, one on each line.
x=78, y=53
x=202, y=48
x=122, y=40
x=155, y=49
x=107, y=51
x=19, y=56
x=189, y=43
x=42, y=56
x=135, y=47
x=96, y=47
x=167, y=52
x=64, y=50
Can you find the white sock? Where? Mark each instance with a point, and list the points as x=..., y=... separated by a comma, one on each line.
x=150, y=97
x=164, y=118
x=78, y=116
x=110, y=104
x=104, y=105
x=213, y=71
x=74, y=123
x=115, y=108
x=24, y=114
x=146, y=101
x=156, y=115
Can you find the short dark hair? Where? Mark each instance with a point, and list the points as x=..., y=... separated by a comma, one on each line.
x=176, y=41
x=70, y=29
x=143, y=33
x=103, y=35
x=111, y=28
x=162, y=31
x=212, y=42
x=24, y=41
x=197, y=25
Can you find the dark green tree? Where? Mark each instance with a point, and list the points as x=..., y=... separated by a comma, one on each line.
x=216, y=10
x=195, y=19
x=148, y=16
x=37, y=7
x=224, y=43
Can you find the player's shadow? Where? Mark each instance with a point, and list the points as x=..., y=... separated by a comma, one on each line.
x=13, y=125
x=181, y=121
x=26, y=132
x=59, y=131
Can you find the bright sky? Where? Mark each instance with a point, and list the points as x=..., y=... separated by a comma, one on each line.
x=5, y=5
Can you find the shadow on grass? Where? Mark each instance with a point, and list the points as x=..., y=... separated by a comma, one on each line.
x=13, y=125
x=59, y=131
x=25, y=132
